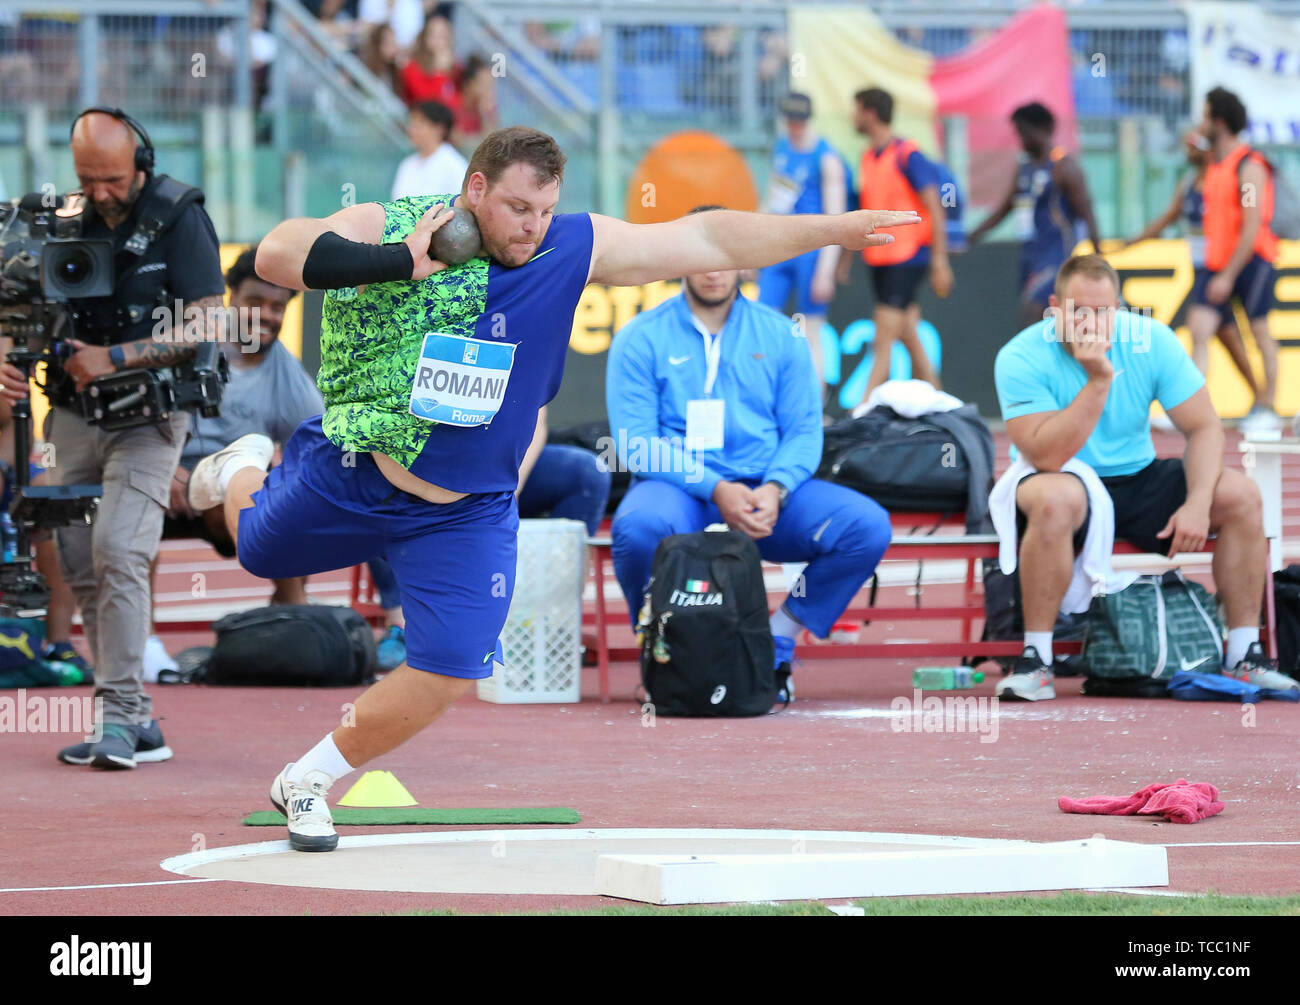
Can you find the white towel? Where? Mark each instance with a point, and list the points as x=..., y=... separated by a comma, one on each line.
x=909, y=398
x=1093, y=573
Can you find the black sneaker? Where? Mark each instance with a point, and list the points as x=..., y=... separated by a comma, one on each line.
x=150, y=747
x=783, y=646
x=1030, y=679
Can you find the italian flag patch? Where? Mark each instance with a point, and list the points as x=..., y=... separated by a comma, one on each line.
x=697, y=586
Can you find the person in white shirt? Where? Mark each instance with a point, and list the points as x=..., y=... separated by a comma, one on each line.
x=436, y=166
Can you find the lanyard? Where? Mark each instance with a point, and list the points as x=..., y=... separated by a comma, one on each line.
x=712, y=355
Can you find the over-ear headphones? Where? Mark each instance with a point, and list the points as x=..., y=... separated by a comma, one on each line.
x=144, y=153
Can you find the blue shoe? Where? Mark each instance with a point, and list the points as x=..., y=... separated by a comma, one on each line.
x=392, y=649
x=783, y=647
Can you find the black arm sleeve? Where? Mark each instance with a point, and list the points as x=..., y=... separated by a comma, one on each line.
x=335, y=263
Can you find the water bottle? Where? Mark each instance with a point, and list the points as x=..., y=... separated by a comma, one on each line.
x=9, y=537
x=945, y=678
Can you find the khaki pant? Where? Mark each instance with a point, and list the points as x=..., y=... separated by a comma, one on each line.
x=107, y=564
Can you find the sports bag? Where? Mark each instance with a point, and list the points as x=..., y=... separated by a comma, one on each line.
x=903, y=464
x=706, y=645
x=1149, y=631
x=1286, y=601
x=293, y=645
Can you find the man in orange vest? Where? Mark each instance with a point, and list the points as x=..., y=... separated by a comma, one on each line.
x=1240, y=247
x=895, y=173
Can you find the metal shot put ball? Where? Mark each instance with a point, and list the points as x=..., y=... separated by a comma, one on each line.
x=457, y=240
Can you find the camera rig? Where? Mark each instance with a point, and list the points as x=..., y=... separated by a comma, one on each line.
x=43, y=265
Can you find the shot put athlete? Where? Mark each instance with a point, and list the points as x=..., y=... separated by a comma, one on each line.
x=432, y=378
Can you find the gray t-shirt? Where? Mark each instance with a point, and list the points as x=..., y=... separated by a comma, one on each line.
x=272, y=398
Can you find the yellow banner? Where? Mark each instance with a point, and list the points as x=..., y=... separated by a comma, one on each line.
x=1157, y=276
x=836, y=51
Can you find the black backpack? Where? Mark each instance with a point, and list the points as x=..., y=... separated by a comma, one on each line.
x=706, y=645
x=291, y=645
x=1286, y=602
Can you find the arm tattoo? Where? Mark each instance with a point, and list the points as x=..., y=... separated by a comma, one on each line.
x=203, y=320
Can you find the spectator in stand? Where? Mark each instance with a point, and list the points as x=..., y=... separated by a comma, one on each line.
x=478, y=102
x=338, y=18
x=432, y=74
x=404, y=16
x=379, y=54
x=436, y=166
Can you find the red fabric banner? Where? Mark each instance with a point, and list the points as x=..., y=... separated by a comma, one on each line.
x=1026, y=60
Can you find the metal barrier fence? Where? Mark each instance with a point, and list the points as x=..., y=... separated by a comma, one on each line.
x=255, y=90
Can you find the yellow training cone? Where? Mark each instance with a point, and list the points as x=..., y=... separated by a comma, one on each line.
x=378, y=788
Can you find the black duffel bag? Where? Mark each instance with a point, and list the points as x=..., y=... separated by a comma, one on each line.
x=903, y=464
x=292, y=645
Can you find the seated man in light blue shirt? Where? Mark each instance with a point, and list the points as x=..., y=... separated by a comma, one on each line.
x=1088, y=395
x=716, y=410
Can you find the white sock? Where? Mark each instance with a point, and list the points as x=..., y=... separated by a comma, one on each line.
x=783, y=624
x=1042, y=641
x=324, y=757
x=1239, y=640
x=233, y=464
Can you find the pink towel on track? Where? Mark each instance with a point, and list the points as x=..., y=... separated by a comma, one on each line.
x=1183, y=802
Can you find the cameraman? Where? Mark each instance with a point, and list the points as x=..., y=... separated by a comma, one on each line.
x=165, y=256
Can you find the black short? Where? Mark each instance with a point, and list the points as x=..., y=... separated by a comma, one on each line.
x=895, y=285
x=1022, y=521
x=196, y=527
x=1254, y=288
x=1145, y=500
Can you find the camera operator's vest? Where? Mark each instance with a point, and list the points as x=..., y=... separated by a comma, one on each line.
x=101, y=320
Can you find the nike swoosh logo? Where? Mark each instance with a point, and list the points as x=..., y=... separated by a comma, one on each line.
x=1017, y=404
x=1188, y=666
x=678, y=361
x=540, y=254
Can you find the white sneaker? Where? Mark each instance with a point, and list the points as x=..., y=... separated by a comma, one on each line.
x=1030, y=679
x=311, y=827
x=156, y=659
x=205, y=491
x=1259, y=420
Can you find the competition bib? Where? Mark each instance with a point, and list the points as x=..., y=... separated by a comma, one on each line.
x=1024, y=217
x=461, y=381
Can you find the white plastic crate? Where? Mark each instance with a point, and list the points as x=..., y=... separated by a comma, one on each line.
x=542, y=638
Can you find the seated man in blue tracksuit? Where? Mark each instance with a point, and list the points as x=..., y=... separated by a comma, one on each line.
x=720, y=392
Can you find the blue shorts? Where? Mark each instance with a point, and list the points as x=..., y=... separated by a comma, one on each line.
x=777, y=281
x=1254, y=288
x=324, y=509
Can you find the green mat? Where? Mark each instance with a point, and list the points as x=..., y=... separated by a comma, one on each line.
x=388, y=816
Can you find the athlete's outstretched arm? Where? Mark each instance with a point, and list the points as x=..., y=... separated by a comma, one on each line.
x=290, y=255
x=629, y=254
